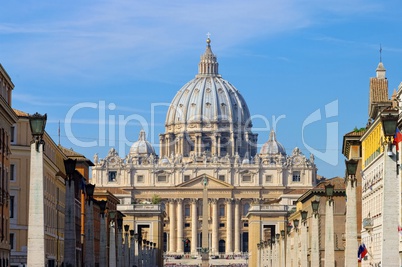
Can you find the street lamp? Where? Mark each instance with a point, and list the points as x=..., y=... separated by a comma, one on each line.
x=329, y=192
x=303, y=214
x=351, y=167
x=37, y=124
x=296, y=224
x=283, y=234
x=314, y=205
x=288, y=228
x=36, y=223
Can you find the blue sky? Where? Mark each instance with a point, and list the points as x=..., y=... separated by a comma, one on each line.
x=306, y=63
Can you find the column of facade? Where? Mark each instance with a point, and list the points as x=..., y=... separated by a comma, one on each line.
x=218, y=147
x=172, y=226
x=161, y=145
x=180, y=226
x=237, y=220
x=181, y=145
x=329, y=235
x=232, y=144
x=168, y=145
x=194, y=226
x=229, y=226
x=215, y=241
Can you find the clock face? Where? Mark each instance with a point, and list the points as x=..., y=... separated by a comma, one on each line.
x=297, y=160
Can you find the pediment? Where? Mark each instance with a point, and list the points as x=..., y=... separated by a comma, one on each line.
x=198, y=183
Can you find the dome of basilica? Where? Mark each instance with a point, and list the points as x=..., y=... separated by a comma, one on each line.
x=272, y=146
x=208, y=98
x=142, y=147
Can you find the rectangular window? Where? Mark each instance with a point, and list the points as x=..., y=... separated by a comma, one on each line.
x=12, y=135
x=12, y=172
x=246, y=178
x=186, y=178
x=162, y=178
x=221, y=225
x=245, y=225
x=12, y=241
x=186, y=225
x=296, y=176
x=268, y=178
x=140, y=178
x=11, y=206
x=112, y=176
x=222, y=177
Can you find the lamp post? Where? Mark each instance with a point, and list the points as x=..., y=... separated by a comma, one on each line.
x=137, y=238
x=132, y=248
x=329, y=227
x=288, y=255
x=119, y=242
x=351, y=245
x=126, y=247
x=36, y=222
x=70, y=244
x=283, y=245
x=315, y=242
x=103, y=234
x=303, y=256
x=112, y=239
x=391, y=203
x=89, y=245
x=278, y=251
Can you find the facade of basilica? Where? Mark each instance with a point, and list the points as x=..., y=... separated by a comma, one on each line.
x=208, y=134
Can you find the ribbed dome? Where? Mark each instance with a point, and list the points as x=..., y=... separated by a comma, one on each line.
x=208, y=98
x=142, y=147
x=272, y=146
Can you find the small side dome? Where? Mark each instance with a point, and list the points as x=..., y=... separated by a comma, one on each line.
x=142, y=148
x=272, y=146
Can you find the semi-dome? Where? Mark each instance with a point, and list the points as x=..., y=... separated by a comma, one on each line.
x=272, y=146
x=142, y=147
x=208, y=98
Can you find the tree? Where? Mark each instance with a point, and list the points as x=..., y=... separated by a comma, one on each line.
x=156, y=199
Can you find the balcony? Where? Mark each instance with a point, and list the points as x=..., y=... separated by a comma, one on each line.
x=368, y=224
